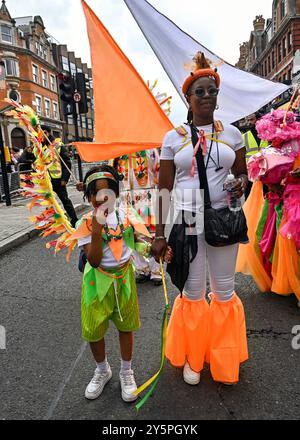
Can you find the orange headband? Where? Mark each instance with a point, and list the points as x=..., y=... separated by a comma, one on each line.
x=200, y=74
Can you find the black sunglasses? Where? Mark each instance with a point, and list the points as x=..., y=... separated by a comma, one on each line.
x=200, y=92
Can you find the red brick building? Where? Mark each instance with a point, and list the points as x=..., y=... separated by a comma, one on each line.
x=273, y=43
x=26, y=49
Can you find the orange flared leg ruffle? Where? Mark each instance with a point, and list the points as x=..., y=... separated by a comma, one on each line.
x=227, y=346
x=187, y=333
x=286, y=268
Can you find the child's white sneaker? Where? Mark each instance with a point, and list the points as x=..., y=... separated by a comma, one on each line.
x=97, y=384
x=128, y=386
x=190, y=376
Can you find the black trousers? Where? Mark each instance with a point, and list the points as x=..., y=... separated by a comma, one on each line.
x=62, y=193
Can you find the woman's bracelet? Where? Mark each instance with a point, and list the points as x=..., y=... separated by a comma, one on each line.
x=160, y=238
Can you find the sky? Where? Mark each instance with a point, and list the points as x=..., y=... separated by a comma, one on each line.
x=220, y=25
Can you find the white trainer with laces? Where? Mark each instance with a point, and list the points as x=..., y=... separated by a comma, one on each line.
x=97, y=384
x=190, y=376
x=128, y=386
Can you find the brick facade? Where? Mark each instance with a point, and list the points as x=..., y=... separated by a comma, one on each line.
x=26, y=49
x=271, y=49
x=33, y=59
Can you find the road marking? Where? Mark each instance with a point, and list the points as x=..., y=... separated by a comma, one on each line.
x=64, y=383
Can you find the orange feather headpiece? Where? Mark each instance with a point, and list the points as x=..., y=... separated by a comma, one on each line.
x=202, y=69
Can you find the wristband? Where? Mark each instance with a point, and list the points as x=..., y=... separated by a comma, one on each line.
x=160, y=238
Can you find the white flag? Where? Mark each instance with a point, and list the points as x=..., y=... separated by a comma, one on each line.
x=241, y=93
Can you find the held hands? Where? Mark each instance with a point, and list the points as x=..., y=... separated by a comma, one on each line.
x=160, y=249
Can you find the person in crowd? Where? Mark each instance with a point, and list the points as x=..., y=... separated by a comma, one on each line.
x=60, y=173
x=109, y=289
x=199, y=330
x=15, y=154
x=26, y=160
x=139, y=174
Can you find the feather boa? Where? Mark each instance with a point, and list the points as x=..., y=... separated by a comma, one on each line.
x=37, y=186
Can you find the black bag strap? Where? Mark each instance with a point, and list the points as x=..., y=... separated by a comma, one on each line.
x=201, y=168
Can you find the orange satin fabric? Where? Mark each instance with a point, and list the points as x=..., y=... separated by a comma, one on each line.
x=215, y=333
x=187, y=334
x=286, y=260
x=128, y=117
x=227, y=347
x=248, y=262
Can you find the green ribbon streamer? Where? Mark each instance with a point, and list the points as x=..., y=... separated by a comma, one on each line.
x=162, y=362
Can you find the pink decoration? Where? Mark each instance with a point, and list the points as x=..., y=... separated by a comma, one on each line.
x=291, y=204
x=272, y=128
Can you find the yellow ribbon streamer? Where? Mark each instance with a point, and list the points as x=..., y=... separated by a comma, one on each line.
x=163, y=344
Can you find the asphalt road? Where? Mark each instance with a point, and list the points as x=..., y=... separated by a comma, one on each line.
x=46, y=366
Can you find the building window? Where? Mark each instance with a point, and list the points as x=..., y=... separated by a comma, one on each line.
x=45, y=78
x=73, y=68
x=83, y=121
x=90, y=124
x=35, y=73
x=6, y=34
x=283, y=8
x=70, y=120
x=290, y=41
x=38, y=104
x=55, y=110
x=53, y=83
x=279, y=52
x=45, y=54
x=273, y=60
x=274, y=21
x=284, y=47
x=47, y=108
x=11, y=67
x=265, y=68
x=14, y=95
x=65, y=64
x=269, y=64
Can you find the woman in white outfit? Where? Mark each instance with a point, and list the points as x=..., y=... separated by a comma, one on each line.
x=199, y=331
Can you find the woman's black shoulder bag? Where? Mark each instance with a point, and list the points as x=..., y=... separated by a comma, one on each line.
x=222, y=227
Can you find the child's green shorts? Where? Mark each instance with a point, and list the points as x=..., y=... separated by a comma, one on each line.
x=96, y=316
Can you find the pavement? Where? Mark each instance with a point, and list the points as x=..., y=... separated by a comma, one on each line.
x=15, y=227
x=46, y=366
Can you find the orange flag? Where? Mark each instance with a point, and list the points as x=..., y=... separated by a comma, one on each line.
x=127, y=116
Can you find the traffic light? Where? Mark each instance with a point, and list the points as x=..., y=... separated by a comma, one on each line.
x=67, y=88
x=81, y=90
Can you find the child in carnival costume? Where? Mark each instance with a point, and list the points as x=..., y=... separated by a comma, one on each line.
x=139, y=173
x=272, y=256
x=108, y=288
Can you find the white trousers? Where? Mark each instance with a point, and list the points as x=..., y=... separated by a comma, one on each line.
x=221, y=266
x=146, y=267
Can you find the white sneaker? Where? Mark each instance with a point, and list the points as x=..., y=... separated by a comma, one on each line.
x=190, y=376
x=97, y=384
x=128, y=386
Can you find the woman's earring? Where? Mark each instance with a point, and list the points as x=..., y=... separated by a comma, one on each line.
x=217, y=107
